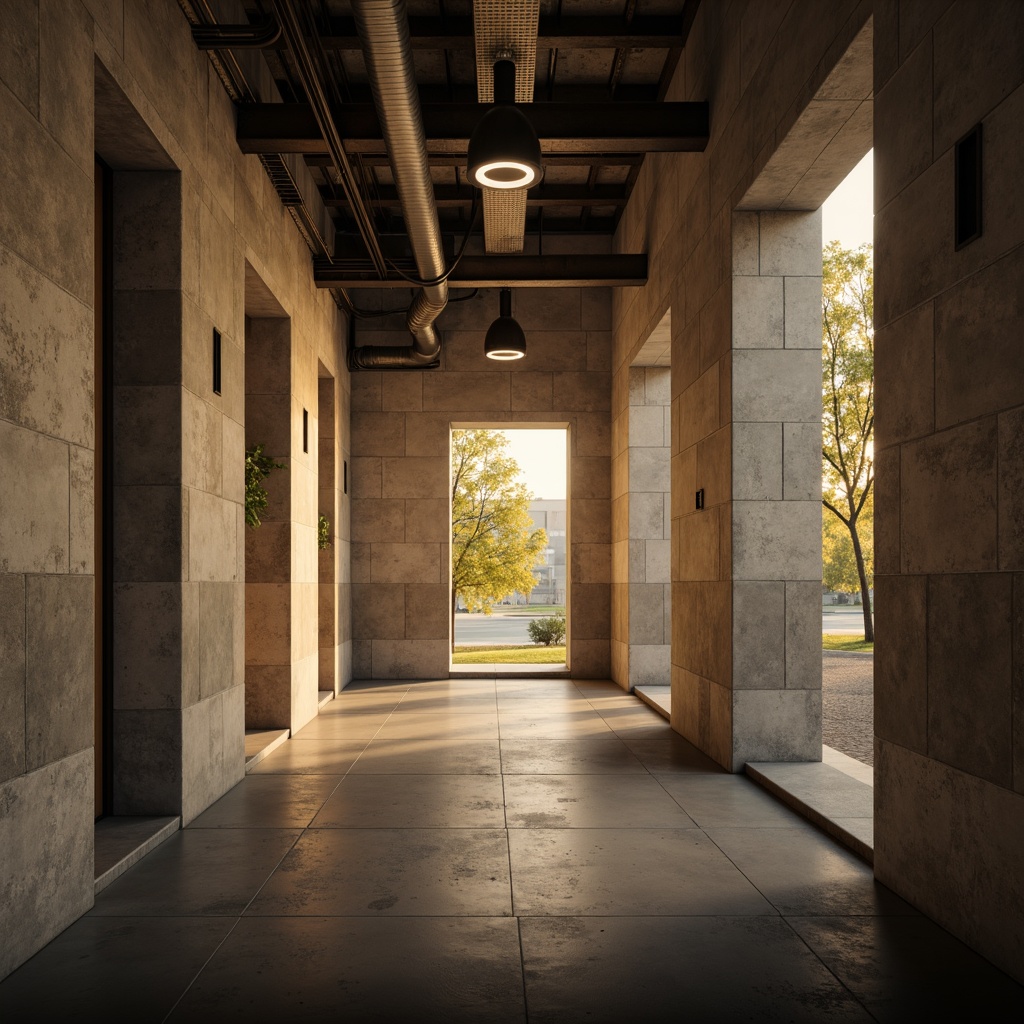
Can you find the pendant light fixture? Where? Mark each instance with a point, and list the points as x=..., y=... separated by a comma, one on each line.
x=505, y=339
x=503, y=149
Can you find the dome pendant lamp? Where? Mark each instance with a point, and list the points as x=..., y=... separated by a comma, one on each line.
x=503, y=150
x=505, y=339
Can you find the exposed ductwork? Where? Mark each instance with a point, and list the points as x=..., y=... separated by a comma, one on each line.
x=383, y=27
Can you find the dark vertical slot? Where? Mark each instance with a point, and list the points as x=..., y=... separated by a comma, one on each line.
x=107, y=487
x=216, y=361
x=305, y=430
x=344, y=476
x=967, y=187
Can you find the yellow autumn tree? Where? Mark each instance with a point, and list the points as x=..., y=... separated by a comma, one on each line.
x=848, y=399
x=494, y=547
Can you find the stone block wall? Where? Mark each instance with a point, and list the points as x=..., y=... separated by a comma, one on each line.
x=949, y=538
x=641, y=488
x=789, y=91
x=401, y=423
x=776, y=486
x=124, y=80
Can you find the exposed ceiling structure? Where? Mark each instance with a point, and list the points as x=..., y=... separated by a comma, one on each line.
x=600, y=73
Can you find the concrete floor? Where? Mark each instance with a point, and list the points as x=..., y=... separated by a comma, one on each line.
x=501, y=850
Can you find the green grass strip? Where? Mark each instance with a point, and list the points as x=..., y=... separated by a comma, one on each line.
x=845, y=642
x=529, y=654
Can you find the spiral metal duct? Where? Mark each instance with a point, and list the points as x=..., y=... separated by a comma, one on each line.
x=383, y=27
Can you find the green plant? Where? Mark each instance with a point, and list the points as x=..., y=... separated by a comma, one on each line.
x=257, y=467
x=323, y=533
x=547, y=631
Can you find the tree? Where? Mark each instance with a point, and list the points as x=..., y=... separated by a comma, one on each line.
x=848, y=397
x=839, y=564
x=493, y=548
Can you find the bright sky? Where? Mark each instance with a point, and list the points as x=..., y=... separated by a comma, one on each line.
x=847, y=213
x=541, y=457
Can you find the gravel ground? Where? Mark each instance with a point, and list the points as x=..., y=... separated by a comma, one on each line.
x=847, y=704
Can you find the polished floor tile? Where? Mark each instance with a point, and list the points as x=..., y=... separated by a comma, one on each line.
x=311, y=757
x=440, y=725
x=369, y=870
x=429, y=755
x=601, y=755
x=542, y=688
x=729, y=801
x=384, y=970
x=802, y=871
x=908, y=968
x=415, y=801
x=353, y=872
x=670, y=754
x=581, y=724
x=134, y=968
x=715, y=970
x=270, y=801
x=590, y=801
x=343, y=726
x=198, y=872
x=628, y=872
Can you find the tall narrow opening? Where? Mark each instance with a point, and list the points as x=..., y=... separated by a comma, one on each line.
x=647, y=484
x=848, y=467
x=328, y=504
x=510, y=544
x=103, y=523
x=268, y=536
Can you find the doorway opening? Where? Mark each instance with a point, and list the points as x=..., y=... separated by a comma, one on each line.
x=327, y=535
x=509, y=577
x=847, y=705
x=649, y=529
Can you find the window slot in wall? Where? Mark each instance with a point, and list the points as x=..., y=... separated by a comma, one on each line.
x=216, y=361
x=344, y=476
x=305, y=430
x=967, y=187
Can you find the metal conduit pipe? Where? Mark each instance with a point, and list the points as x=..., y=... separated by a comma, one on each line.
x=383, y=27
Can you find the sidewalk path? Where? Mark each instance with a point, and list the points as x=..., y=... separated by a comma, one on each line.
x=847, y=704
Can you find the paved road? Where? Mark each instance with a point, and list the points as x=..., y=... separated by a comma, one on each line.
x=511, y=629
x=842, y=620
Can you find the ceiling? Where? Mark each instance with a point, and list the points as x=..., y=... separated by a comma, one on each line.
x=602, y=72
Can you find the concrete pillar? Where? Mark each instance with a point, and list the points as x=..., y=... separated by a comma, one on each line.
x=649, y=539
x=746, y=508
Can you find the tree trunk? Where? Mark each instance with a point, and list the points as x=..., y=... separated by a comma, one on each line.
x=452, y=617
x=865, y=593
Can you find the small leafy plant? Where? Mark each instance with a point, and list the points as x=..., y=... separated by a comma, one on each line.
x=257, y=467
x=547, y=631
x=323, y=533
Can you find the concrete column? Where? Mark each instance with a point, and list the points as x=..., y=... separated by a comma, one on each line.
x=746, y=508
x=649, y=539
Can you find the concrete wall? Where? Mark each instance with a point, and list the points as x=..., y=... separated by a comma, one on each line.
x=641, y=483
x=790, y=94
x=401, y=421
x=125, y=80
x=949, y=534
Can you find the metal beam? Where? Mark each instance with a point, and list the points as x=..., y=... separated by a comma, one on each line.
x=445, y=196
x=561, y=127
x=582, y=33
x=550, y=160
x=579, y=270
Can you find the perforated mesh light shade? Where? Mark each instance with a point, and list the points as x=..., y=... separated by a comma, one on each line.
x=505, y=340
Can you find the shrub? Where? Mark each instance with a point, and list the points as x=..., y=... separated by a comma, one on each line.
x=323, y=533
x=547, y=631
x=257, y=466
